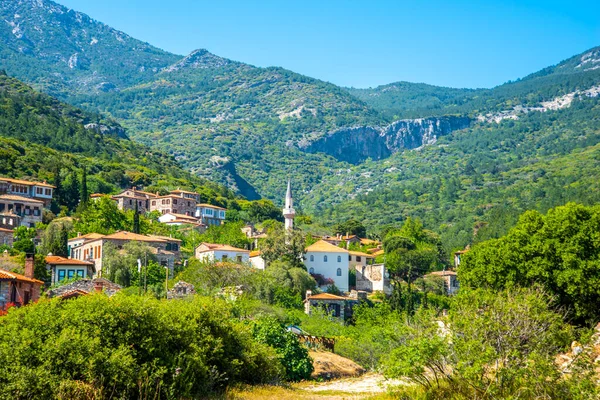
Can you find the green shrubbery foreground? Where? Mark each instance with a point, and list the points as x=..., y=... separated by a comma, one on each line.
x=139, y=347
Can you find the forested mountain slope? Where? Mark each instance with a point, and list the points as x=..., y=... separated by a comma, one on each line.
x=40, y=136
x=458, y=158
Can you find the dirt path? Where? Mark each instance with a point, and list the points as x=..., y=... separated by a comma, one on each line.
x=368, y=383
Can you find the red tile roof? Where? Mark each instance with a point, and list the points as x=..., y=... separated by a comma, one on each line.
x=13, y=197
x=325, y=247
x=326, y=296
x=221, y=247
x=22, y=182
x=57, y=260
x=7, y=275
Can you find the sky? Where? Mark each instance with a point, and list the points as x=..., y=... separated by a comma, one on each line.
x=367, y=43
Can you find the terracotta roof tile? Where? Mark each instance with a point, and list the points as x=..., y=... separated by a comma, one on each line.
x=19, y=198
x=57, y=260
x=361, y=254
x=325, y=247
x=221, y=247
x=22, y=182
x=209, y=206
x=326, y=296
x=4, y=274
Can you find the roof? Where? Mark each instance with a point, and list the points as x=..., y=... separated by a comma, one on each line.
x=6, y=230
x=22, y=182
x=124, y=235
x=183, y=222
x=366, y=241
x=326, y=296
x=461, y=251
x=181, y=216
x=184, y=191
x=442, y=273
x=94, y=195
x=168, y=238
x=361, y=254
x=220, y=247
x=210, y=206
x=20, y=198
x=91, y=235
x=378, y=253
x=57, y=260
x=255, y=253
x=325, y=247
x=7, y=275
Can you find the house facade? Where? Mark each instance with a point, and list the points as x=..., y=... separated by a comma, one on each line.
x=22, y=211
x=178, y=219
x=210, y=215
x=127, y=200
x=175, y=204
x=358, y=258
x=210, y=252
x=166, y=250
x=19, y=289
x=450, y=278
x=329, y=261
x=256, y=260
x=6, y=236
x=34, y=190
x=62, y=268
x=373, y=278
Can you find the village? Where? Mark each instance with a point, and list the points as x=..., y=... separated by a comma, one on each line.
x=330, y=260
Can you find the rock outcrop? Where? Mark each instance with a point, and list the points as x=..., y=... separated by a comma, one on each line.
x=356, y=144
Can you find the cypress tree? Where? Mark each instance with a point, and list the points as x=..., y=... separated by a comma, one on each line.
x=63, y=248
x=84, y=189
x=136, y=219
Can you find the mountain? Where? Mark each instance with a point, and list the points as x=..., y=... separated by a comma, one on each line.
x=64, y=52
x=39, y=136
x=463, y=160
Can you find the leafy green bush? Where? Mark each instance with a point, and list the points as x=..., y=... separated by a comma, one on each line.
x=128, y=347
x=294, y=357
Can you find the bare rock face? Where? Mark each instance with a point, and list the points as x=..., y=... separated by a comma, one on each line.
x=356, y=144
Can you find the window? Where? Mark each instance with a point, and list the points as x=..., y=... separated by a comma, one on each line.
x=36, y=211
x=174, y=201
x=208, y=211
x=312, y=258
x=39, y=190
x=130, y=202
x=325, y=258
x=311, y=271
x=339, y=258
x=224, y=257
x=222, y=214
x=339, y=272
x=357, y=258
x=189, y=204
x=153, y=202
x=70, y=273
x=48, y=192
x=174, y=211
x=61, y=274
x=238, y=258
x=349, y=258
x=80, y=273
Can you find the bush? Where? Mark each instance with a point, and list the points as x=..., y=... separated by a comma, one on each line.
x=293, y=356
x=128, y=347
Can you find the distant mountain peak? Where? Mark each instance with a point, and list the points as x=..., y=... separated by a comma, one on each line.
x=199, y=59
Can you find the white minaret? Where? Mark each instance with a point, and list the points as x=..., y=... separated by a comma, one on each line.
x=288, y=212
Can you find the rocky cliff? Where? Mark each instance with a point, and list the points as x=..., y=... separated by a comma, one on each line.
x=356, y=144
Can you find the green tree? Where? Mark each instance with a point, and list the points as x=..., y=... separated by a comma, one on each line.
x=282, y=245
x=55, y=238
x=559, y=250
x=352, y=227
x=85, y=196
x=136, y=219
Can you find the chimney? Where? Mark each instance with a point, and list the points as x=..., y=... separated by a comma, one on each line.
x=29, y=265
x=78, y=234
x=98, y=286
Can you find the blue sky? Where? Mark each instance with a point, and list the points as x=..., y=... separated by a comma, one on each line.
x=367, y=43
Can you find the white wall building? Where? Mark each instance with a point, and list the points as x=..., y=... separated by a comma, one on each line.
x=209, y=214
x=256, y=260
x=221, y=252
x=330, y=261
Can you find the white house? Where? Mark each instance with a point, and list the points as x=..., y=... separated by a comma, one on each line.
x=329, y=261
x=221, y=252
x=256, y=260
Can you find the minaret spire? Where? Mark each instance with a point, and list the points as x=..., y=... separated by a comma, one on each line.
x=288, y=212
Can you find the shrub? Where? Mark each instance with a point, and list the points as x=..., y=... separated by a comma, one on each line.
x=128, y=347
x=294, y=357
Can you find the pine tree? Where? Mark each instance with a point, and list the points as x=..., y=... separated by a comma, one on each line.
x=58, y=199
x=63, y=249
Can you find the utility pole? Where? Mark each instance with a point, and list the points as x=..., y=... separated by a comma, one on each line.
x=166, y=280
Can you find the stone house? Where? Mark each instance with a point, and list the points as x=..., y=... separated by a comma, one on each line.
x=167, y=250
x=127, y=199
x=173, y=203
x=19, y=289
x=181, y=290
x=6, y=236
x=27, y=211
x=84, y=287
x=337, y=306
